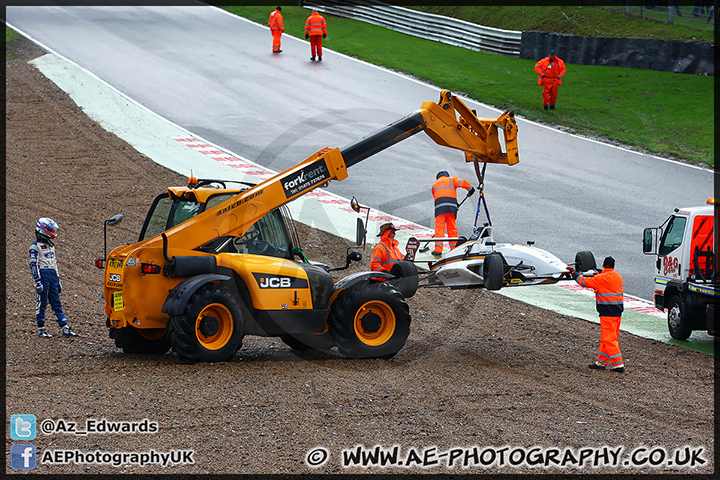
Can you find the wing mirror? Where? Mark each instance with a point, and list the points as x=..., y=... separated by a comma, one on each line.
x=361, y=228
x=649, y=241
x=100, y=262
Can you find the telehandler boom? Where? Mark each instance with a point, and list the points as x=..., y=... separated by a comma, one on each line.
x=214, y=264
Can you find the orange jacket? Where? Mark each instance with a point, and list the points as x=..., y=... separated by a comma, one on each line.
x=385, y=253
x=445, y=194
x=608, y=287
x=276, y=21
x=547, y=69
x=315, y=25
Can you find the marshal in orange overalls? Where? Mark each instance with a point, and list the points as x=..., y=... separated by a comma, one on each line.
x=386, y=253
x=277, y=27
x=550, y=71
x=608, y=287
x=444, y=192
x=315, y=31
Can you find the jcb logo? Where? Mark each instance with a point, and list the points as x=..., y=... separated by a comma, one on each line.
x=275, y=282
x=114, y=277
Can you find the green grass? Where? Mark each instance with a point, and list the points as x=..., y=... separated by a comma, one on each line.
x=668, y=114
x=10, y=35
x=581, y=20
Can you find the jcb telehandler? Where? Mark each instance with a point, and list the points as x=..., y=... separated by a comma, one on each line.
x=214, y=264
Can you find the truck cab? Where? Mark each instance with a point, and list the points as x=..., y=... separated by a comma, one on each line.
x=686, y=270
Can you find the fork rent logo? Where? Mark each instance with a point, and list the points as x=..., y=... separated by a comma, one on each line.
x=23, y=456
x=296, y=182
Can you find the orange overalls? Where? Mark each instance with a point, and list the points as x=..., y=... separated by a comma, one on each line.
x=277, y=27
x=385, y=253
x=444, y=192
x=608, y=287
x=316, y=28
x=550, y=77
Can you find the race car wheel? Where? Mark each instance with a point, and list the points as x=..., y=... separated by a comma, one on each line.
x=493, y=271
x=134, y=340
x=585, y=261
x=370, y=320
x=210, y=329
x=406, y=278
x=678, y=321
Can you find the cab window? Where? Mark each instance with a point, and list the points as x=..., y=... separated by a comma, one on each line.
x=266, y=237
x=166, y=213
x=673, y=236
x=218, y=199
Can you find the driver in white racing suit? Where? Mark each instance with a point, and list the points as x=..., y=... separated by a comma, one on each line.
x=44, y=269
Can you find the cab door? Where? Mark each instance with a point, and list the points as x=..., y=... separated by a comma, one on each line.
x=670, y=250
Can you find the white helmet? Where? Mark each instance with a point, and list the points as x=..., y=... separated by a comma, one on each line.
x=46, y=228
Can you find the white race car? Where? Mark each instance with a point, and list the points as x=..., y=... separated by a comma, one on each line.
x=481, y=262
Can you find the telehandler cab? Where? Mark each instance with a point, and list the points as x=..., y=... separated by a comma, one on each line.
x=213, y=264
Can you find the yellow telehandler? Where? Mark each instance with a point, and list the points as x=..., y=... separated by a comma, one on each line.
x=213, y=264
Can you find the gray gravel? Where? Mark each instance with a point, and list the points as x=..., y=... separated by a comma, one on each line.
x=478, y=370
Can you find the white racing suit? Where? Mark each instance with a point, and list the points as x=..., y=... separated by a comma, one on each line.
x=44, y=269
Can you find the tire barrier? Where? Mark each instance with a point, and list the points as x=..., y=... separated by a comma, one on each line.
x=648, y=54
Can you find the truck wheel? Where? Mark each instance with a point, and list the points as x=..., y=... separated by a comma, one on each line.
x=370, y=320
x=585, y=261
x=133, y=340
x=406, y=278
x=493, y=271
x=308, y=341
x=678, y=321
x=211, y=327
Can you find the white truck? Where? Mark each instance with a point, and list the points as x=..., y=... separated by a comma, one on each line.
x=686, y=276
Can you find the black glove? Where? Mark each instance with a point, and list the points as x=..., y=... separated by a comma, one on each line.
x=307, y=37
x=324, y=35
x=471, y=191
x=38, y=286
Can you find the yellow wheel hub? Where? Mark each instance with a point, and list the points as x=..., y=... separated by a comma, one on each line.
x=374, y=323
x=214, y=326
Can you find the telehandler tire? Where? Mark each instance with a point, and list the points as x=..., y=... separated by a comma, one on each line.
x=211, y=327
x=133, y=340
x=370, y=320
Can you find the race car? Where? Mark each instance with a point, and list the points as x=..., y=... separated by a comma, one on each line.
x=481, y=262
x=477, y=262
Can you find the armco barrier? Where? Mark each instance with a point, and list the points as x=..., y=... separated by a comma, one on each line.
x=426, y=25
